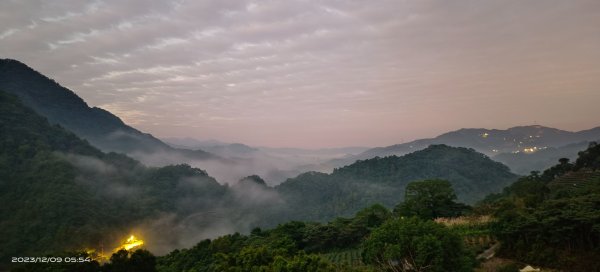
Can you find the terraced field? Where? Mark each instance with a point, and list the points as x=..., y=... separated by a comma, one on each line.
x=576, y=179
x=347, y=257
x=474, y=231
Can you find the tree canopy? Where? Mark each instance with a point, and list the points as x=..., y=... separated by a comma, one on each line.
x=412, y=244
x=430, y=199
x=552, y=218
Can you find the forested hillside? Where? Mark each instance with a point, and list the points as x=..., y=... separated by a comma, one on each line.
x=374, y=239
x=62, y=185
x=319, y=196
x=552, y=218
x=547, y=219
x=58, y=192
x=62, y=106
x=61, y=194
x=344, y=244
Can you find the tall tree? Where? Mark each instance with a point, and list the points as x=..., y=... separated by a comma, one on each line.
x=429, y=199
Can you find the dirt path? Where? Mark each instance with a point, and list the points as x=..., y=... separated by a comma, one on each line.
x=489, y=253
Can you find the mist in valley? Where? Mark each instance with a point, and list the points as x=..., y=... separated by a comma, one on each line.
x=236, y=161
x=243, y=204
x=298, y=135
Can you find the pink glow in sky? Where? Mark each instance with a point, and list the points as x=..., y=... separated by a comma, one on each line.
x=318, y=73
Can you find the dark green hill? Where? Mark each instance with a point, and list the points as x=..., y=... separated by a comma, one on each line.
x=321, y=196
x=62, y=106
x=552, y=218
x=254, y=179
x=57, y=192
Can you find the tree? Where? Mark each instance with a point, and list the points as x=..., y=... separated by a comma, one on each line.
x=411, y=244
x=301, y=262
x=119, y=261
x=372, y=216
x=545, y=220
x=589, y=158
x=558, y=170
x=143, y=261
x=553, y=230
x=429, y=199
x=137, y=261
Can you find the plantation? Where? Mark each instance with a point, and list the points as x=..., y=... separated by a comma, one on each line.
x=350, y=257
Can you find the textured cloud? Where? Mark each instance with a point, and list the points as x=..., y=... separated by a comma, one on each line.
x=317, y=73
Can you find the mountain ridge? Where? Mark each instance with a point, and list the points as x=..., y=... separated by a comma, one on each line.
x=318, y=196
x=62, y=106
x=491, y=142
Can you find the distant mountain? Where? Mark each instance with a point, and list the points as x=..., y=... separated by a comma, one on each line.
x=58, y=192
x=319, y=196
x=215, y=146
x=274, y=164
x=231, y=150
x=191, y=143
x=62, y=106
x=525, y=139
x=318, y=152
x=523, y=162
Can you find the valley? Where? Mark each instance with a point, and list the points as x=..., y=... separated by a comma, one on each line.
x=299, y=136
x=180, y=206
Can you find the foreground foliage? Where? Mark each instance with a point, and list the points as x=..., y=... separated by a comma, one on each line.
x=321, y=197
x=60, y=185
x=430, y=199
x=293, y=246
x=60, y=193
x=553, y=219
x=411, y=244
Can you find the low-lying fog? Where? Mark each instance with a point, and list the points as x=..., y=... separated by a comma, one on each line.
x=274, y=165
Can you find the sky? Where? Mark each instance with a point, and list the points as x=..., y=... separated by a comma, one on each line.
x=315, y=74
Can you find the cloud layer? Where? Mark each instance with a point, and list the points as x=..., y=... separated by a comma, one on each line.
x=317, y=73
